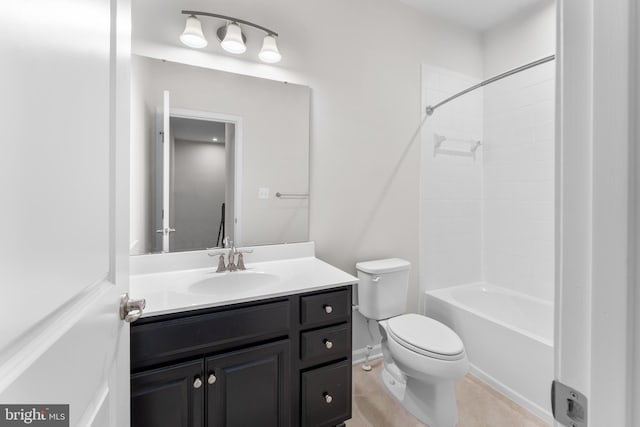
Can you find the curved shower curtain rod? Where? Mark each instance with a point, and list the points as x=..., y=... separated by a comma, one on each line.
x=430, y=109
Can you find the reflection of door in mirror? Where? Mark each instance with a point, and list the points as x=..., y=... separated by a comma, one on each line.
x=194, y=181
x=272, y=152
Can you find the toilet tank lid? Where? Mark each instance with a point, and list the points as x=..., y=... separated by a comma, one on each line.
x=388, y=265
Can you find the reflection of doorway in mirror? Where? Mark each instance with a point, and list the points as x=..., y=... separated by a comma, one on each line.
x=198, y=203
x=198, y=184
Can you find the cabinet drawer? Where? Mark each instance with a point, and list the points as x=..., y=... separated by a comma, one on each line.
x=325, y=308
x=162, y=341
x=325, y=344
x=326, y=395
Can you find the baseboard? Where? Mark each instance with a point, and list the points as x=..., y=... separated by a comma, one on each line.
x=358, y=355
x=511, y=394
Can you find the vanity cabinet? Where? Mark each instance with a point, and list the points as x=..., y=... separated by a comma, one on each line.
x=282, y=362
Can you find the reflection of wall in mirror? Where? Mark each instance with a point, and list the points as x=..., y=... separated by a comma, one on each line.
x=275, y=145
x=198, y=191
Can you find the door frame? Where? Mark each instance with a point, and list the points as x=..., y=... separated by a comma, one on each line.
x=596, y=220
x=237, y=155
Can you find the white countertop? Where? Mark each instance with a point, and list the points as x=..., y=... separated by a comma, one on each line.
x=190, y=289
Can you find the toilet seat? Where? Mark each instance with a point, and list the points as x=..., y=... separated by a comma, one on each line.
x=426, y=336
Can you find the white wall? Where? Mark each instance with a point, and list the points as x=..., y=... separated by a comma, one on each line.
x=521, y=40
x=140, y=165
x=199, y=180
x=451, y=186
x=519, y=156
x=365, y=107
x=518, y=178
x=365, y=169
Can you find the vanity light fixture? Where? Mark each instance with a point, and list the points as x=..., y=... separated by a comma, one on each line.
x=192, y=35
x=269, y=52
x=230, y=35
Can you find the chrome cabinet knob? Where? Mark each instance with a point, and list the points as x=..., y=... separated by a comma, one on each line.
x=212, y=379
x=328, y=344
x=328, y=309
x=327, y=398
x=197, y=383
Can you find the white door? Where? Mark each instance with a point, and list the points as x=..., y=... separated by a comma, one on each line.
x=163, y=155
x=167, y=149
x=597, y=218
x=64, y=110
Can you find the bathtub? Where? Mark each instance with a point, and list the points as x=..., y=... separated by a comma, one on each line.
x=508, y=337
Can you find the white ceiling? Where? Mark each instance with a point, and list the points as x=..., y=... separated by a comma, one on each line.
x=479, y=15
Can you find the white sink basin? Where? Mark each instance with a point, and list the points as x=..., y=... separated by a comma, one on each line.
x=234, y=282
x=172, y=291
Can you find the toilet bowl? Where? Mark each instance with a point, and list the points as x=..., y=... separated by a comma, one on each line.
x=422, y=357
x=421, y=376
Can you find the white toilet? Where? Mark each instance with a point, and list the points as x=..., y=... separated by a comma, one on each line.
x=422, y=357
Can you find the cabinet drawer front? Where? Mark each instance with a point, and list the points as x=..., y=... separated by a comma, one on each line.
x=165, y=340
x=325, y=344
x=325, y=308
x=326, y=395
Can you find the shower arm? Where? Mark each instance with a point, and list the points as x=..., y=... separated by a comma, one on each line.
x=430, y=109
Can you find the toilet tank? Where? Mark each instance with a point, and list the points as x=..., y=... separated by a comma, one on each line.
x=382, y=287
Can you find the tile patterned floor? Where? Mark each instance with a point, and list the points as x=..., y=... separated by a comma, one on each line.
x=478, y=405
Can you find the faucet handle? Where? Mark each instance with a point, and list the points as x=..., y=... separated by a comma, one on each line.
x=240, y=265
x=221, y=266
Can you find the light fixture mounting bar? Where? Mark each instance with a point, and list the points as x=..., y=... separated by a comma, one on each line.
x=230, y=18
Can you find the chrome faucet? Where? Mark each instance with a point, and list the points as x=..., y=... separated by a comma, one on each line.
x=231, y=266
x=231, y=256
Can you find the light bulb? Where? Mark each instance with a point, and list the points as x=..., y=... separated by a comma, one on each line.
x=269, y=52
x=233, y=41
x=192, y=35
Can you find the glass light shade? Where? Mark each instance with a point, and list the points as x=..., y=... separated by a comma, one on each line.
x=192, y=35
x=232, y=41
x=269, y=52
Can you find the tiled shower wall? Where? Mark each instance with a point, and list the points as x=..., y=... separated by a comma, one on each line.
x=490, y=218
x=518, y=172
x=451, y=186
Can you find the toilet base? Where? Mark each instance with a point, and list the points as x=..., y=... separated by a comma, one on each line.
x=395, y=382
x=432, y=403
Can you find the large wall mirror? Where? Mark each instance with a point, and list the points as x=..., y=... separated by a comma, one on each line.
x=215, y=155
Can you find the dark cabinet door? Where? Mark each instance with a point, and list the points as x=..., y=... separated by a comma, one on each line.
x=249, y=387
x=168, y=397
